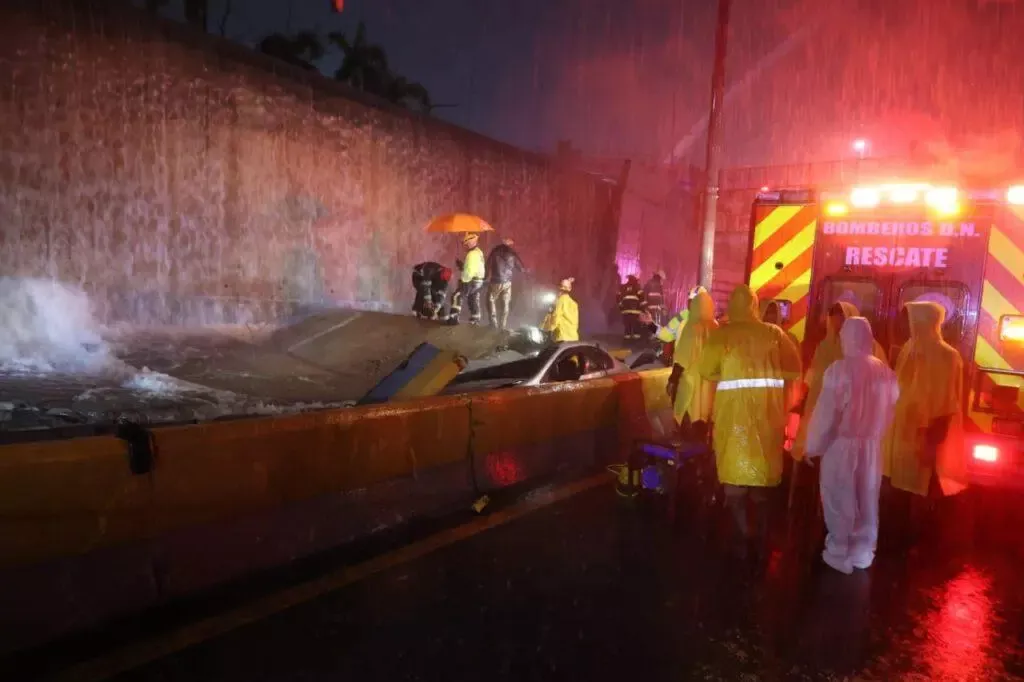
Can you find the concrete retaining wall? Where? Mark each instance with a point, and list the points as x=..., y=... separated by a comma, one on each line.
x=182, y=179
x=86, y=541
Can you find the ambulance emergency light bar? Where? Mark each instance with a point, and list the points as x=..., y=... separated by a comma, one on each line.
x=943, y=200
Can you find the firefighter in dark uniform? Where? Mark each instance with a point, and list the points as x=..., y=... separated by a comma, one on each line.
x=654, y=297
x=631, y=305
x=430, y=280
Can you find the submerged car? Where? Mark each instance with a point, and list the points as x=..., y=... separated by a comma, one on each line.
x=570, y=361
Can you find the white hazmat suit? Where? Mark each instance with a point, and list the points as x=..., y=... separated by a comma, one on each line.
x=858, y=396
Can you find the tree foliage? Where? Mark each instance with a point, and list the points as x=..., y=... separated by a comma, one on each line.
x=365, y=67
x=301, y=50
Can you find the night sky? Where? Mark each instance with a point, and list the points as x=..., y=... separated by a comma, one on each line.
x=631, y=77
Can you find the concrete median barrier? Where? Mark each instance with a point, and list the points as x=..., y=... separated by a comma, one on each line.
x=527, y=433
x=86, y=541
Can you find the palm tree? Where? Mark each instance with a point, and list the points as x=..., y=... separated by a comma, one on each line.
x=364, y=65
x=300, y=50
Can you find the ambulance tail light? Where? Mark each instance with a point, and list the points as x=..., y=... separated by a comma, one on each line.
x=1011, y=329
x=1015, y=195
x=986, y=453
x=865, y=197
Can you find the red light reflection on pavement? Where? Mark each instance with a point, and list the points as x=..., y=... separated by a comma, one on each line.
x=959, y=631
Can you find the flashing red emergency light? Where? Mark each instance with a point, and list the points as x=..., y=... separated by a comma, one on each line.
x=338, y=5
x=986, y=453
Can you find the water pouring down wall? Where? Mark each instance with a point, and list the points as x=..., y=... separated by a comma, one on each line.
x=179, y=179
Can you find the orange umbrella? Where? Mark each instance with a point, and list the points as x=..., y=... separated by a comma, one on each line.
x=459, y=222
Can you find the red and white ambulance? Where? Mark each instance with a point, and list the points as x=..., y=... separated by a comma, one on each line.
x=882, y=246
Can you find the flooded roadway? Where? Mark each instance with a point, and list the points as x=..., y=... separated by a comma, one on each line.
x=595, y=588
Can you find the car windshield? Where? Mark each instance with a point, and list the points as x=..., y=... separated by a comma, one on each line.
x=517, y=369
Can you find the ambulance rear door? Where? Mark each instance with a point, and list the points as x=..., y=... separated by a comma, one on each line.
x=882, y=257
x=943, y=263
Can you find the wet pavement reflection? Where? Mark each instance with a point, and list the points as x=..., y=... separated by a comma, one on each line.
x=596, y=588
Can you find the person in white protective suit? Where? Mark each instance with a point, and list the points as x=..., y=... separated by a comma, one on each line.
x=857, y=401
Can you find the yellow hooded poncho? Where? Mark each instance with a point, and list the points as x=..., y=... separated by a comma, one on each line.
x=754, y=364
x=695, y=395
x=930, y=374
x=828, y=351
x=564, y=319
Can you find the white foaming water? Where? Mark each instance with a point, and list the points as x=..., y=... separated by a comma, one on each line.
x=157, y=383
x=47, y=326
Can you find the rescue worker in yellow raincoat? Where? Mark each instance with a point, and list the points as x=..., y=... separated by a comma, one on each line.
x=829, y=350
x=563, y=321
x=754, y=364
x=924, y=451
x=474, y=270
x=668, y=333
x=692, y=395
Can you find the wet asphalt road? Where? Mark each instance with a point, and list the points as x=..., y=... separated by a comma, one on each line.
x=596, y=588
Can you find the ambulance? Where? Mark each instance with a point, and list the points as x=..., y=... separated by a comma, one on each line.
x=882, y=246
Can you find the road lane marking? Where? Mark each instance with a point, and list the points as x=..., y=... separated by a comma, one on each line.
x=325, y=332
x=152, y=649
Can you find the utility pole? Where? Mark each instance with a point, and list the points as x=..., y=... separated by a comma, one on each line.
x=711, y=163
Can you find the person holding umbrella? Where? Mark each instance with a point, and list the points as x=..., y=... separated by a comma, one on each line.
x=474, y=270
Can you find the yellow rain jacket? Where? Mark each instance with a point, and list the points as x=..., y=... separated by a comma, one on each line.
x=475, y=266
x=755, y=364
x=564, y=319
x=930, y=373
x=670, y=332
x=695, y=394
x=827, y=352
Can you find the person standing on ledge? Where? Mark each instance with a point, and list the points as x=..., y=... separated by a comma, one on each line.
x=502, y=264
x=471, y=281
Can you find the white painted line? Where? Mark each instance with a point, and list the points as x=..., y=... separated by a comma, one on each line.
x=325, y=332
